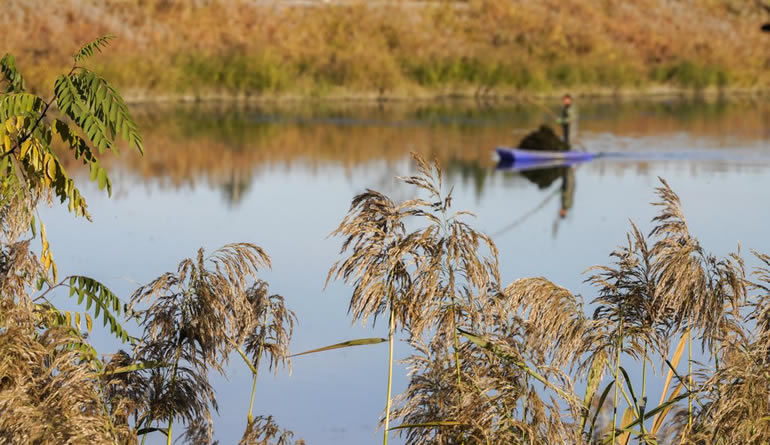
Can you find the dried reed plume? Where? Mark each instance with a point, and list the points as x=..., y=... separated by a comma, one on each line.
x=194, y=318
x=533, y=339
x=48, y=393
x=427, y=279
x=270, y=337
x=737, y=396
x=264, y=431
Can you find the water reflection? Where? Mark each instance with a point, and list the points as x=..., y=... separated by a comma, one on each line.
x=544, y=178
x=227, y=147
x=234, y=189
x=282, y=177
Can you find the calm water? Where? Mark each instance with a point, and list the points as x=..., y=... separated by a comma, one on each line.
x=283, y=177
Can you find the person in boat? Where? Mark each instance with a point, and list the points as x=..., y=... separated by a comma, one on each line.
x=568, y=119
x=546, y=139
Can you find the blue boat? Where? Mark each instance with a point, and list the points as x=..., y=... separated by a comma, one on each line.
x=517, y=155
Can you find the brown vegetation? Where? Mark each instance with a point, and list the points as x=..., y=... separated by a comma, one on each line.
x=239, y=48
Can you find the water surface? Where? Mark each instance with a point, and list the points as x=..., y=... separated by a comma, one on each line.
x=283, y=177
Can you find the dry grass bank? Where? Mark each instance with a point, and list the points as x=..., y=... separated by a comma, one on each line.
x=240, y=48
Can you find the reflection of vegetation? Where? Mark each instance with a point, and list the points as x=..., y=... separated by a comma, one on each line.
x=191, y=143
x=470, y=170
x=235, y=189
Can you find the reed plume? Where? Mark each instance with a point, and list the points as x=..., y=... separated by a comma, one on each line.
x=429, y=279
x=270, y=335
x=193, y=319
x=381, y=253
x=48, y=394
x=264, y=431
x=736, y=396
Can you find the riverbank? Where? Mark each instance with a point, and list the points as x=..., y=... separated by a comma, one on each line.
x=651, y=93
x=240, y=50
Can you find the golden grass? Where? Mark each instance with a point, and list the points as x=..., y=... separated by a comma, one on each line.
x=238, y=48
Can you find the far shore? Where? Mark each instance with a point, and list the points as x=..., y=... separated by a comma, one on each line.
x=495, y=96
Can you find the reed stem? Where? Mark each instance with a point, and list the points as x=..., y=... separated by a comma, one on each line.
x=249, y=418
x=390, y=373
x=643, y=406
x=456, y=353
x=173, y=383
x=689, y=375
x=255, y=370
x=617, y=382
x=644, y=373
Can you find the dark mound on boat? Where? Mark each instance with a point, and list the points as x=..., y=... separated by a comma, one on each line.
x=543, y=139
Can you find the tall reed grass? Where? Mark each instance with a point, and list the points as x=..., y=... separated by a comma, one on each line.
x=490, y=364
x=512, y=378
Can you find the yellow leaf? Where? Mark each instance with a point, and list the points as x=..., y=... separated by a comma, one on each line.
x=658, y=421
x=54, y=270
x=68, y=318
x=674, y=362
x=7, y=143
x=50, y=167
x=25, y=148
x=89, y=322
x=77, y=320
x=9, y=125
x=628, y=418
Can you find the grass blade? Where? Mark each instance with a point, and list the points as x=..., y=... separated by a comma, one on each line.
x=628, y=417
x=486, y=344
x=594, y=378
x=661, y=408
x=144, y=431
x=675, y=362
x=345, y=344
x=436, y=424
x=603, y=397
x=630, y=389
x=658, y=422
x=135, y=367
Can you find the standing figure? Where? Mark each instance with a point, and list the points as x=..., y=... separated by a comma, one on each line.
x=568, y=119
